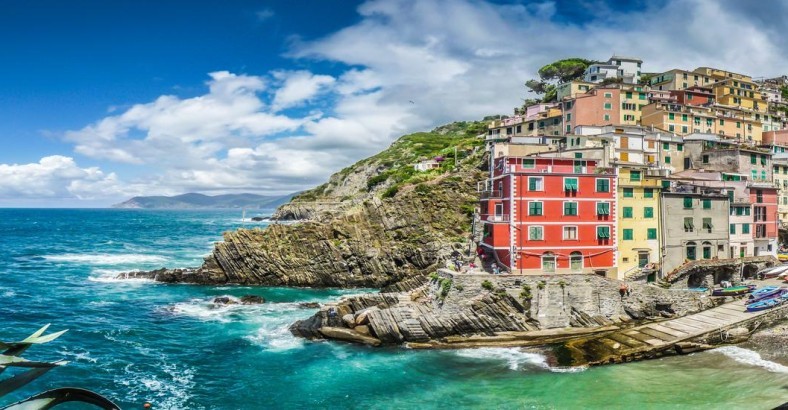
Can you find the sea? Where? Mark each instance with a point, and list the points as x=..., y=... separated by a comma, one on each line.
x=139, y=342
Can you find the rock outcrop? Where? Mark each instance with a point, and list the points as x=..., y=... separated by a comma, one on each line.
x=497, y=310
x=375, y=224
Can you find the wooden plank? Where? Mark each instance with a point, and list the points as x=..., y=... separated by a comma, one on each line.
x=728, y=317
x=687, y=324
x=689, y=330
x=657, y=334
x=638, y=336
x=626, y=340
x=672, y=332
x=707, y=324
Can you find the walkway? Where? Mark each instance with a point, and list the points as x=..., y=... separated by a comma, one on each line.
x=651, y=340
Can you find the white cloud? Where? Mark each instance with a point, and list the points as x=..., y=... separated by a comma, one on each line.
x=298, y=87
x=56, y=177
x=454, y=59
x=264, y=14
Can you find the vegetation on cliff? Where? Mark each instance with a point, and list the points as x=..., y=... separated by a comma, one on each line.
x=374, y=224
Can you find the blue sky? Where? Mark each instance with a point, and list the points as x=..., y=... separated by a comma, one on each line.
x=101, y=101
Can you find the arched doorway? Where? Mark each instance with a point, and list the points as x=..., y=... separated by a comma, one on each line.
x=691, y=251
x=548, y=262
x=576, y=261
x=749, y=271
x=706, y=250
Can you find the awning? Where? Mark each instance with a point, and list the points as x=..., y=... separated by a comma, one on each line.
x=603, y=209
x=570, y=184
x=688, y=224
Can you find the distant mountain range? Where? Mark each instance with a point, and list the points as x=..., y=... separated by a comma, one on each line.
x=198, y=201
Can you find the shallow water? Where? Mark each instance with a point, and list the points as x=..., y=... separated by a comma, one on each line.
x=137, y=341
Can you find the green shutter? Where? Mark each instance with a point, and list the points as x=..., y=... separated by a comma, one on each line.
x=648, y=212
x=628, y=235
x=689, y=224
x=570, y=184
x=628, y=192
x=707, y=224
x=745, y=228
x=753, y=158
x=603, y=208
x=648, y=193
x=532, y=184
x=706, y=252
x=570, y=208
x=687, y=202
x=707, y=204
x=667, y=160
x=652, y=233
x=627, y=212
x=680, y=147
x=733, y=229
x=578, y=155
x=603, y=232
x=634, y=176
x=603, y=185
x=529, y=163
x=665, y=146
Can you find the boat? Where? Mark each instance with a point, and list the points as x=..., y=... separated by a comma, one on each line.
x=764, y=304
x=782, y=257
x=768, y=292
x=731, y=291
x=772, y=272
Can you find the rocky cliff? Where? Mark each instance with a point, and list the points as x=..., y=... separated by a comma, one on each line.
x=373, y=224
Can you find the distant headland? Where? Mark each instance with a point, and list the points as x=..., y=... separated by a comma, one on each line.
x=200, y=201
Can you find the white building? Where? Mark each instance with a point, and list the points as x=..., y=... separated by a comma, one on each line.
x=628, y=69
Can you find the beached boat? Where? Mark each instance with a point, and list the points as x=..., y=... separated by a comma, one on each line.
x=768, y=292
x=765, y=304
x=731, y=291
x=772, y=272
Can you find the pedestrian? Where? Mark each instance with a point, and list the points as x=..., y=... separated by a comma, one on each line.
x=495, y=269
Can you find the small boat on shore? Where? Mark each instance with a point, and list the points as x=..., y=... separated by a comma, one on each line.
x=765, y=304
x=768, y=292
x=772, y=272
x=732, y=291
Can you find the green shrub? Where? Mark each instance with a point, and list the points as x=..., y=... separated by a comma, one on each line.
x=526, y=293
x=377, y=180
x=390, y=192
x=445, y=287
x=459, y=287
x=487, y=285
x=434, y=276
x=422, y=189
x=562, y=284
x=541, y=284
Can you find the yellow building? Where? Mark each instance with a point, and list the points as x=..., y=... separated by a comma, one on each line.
x=632, y=100
x=680, y=119
x=679, y=79
x=572, y=89
x=638, y=222
x=739, y=93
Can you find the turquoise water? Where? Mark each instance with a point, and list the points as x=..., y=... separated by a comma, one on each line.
x=166, y=344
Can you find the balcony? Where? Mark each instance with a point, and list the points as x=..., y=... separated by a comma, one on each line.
x=490, y=194
x=500, y=218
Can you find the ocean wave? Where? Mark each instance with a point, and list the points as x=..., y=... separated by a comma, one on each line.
x=169, y=390
x=105, y=258
x=79, y=356
x=111, y=276
x=515, y=358
x=7, y=293
x=749, y=357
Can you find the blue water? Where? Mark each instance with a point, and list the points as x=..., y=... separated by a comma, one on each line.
x=138, y=342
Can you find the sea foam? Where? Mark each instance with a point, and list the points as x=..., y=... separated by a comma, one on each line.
x=104, y=259
x=515, y=358
x=749, y=357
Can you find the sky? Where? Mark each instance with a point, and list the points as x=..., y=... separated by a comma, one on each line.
x=101, y=101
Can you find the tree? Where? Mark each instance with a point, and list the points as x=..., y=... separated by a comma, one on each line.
x=557, y=72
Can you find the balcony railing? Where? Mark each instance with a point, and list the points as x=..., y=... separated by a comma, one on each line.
x=490, y=194
x=499, y=218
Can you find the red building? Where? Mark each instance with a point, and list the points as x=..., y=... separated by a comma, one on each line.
x=694, y=95
x=765, y=218
x=550, y=215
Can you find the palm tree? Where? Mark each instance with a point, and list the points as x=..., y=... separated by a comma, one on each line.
x=48, y=399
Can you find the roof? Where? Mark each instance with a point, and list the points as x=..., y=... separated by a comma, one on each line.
x=615, y=57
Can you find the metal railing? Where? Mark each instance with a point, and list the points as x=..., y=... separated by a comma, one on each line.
x=495, y=218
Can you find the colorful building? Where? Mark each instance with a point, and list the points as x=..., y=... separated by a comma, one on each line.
x=550, y=215
x=638, y=222
x=763, y=197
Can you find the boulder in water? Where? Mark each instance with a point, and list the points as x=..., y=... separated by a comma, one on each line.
x=309, y=305
x=224, y=300
x=252, y=300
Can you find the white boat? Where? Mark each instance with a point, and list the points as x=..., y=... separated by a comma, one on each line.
x=772, y=272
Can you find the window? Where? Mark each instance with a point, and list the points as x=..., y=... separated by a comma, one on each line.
x=529, y=163
x=707, y=224
x=680, y=147
x=745, y=228
x=535, y=233
x=602, y=185
x=705, y=159
x=629, y=94
x=628, y=235
x=570, y=184
x=608, y=106
x=634, y=176
x=665, y=146
x=689, y=224
x=569, y=116
x=570, y=208
x=733, y=229
x=535, y=208
x=570, y=233
x=603, y=208
x=671, y=128
x=648, y=192
x=648, y=212
x=691, y=251
x=576, y=261
x=747, y=211
x=671, y=116
x=607, y=117
x=759, y=196
x=603, y=232
x=608, y=95
x=629, y=193
x=667, y=160
x=548, y=262
x=707, y=204
x=627, y=212
x=651, y=233
x=763, y=159
x=684, y=129
x=535, y=184
x=687, y=202
x=722, y=122
x=684, y=117
x=738, y=124
x=753, y=158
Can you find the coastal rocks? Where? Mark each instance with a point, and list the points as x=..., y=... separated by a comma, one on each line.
x=348, y=335
x=243, y=300
x=309, y=305
x=374, y=244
